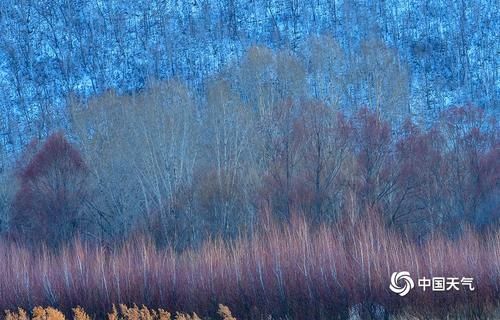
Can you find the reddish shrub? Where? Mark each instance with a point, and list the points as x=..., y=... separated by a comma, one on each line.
x=375, y=165
x=293, y=270
x=47, y=206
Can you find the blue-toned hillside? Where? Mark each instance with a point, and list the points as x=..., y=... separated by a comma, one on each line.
x=437, y=52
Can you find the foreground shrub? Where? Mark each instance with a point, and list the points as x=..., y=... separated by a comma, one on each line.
x=293, y=271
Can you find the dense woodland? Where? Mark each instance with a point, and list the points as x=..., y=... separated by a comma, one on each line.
x=155, y=162
x=216, y=143
x=432, y=53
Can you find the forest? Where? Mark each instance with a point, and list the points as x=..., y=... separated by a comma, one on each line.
x=271, y=159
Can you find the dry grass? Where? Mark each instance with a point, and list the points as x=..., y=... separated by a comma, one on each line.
x=125, y=313
x=19, y=315
x=80, y=314
x=40, y=313
x=136, y=313
x=225, y=313
x=49, y=313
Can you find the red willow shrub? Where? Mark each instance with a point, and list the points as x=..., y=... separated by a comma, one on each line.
x=52, y=191
x=441, y=178
x=326, y=164
x=284, y=270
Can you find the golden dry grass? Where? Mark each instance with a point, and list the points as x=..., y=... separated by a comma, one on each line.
x=136, y=313
x=123, y=312
x=225, y=313
x=38, y=313
x=80, y=314
x=19, y=315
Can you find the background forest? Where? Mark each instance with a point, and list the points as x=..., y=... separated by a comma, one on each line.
x=167, y=132
x=432, y=53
